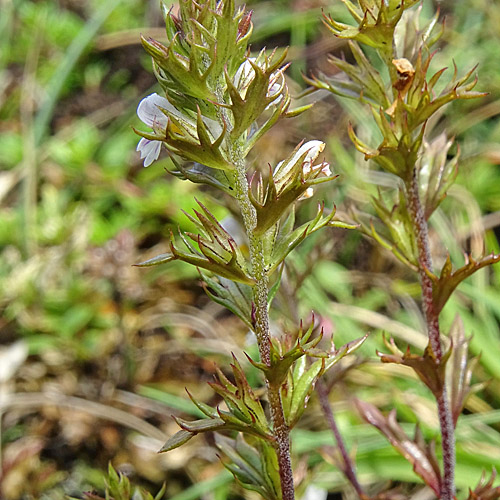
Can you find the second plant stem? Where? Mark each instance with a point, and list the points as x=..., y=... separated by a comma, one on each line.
x=432, y=321
x=261, y=325
x=348, y=467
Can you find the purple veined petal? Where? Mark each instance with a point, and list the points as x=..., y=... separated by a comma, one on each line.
x=150, y=113
x=276, y=83
x=149, y=150
x=325, y=169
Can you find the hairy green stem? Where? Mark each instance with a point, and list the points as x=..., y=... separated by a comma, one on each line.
x=261, y=324
x=432, y=320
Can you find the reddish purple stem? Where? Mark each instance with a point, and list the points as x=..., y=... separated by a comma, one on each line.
x=432, y=321
x=348, y=468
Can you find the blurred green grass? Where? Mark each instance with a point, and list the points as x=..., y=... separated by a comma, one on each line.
x=77, y=209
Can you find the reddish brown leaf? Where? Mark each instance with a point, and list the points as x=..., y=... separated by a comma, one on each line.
x=430, y=371
x=420, y=455
x=448, y=280
x=485, y=489
x=460, y=369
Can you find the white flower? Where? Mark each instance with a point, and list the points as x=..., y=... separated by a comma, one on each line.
x=154, y=111
x=150, y=113
x=149, y=150
x=313, y=149
x=245, y=75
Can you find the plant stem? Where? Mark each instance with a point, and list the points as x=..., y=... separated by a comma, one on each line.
x=261, y=324
x=348, y=468
x=432, y=321
x=282, y=435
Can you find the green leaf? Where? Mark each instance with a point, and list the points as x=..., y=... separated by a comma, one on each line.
x=286, y=241
x=155, y=261
x=303, y=385
x=255, y=468
x=178, y=439
x=237, y=297
x=202, y=425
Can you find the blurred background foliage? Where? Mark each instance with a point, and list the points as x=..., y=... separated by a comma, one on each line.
x=95, y=353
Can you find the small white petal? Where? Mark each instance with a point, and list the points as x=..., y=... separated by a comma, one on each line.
x=276, y=84
x=313, y=148
x=273, y=89
x=325, y=169
x=307, y=194
x=153, y=154
x=142, y=144
x=244, y=76
x=149, y=150
x=233, y=227
x=150, y=113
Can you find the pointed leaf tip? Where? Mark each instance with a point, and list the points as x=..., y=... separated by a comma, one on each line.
x=178, y=439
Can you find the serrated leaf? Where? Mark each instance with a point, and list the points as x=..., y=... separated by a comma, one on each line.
x=204, y=408
x=420, y=456
x=288, y=241
x=429, y=369
x=201, y=174
x=344, y=351
x=485, y=490
x=444, y=286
